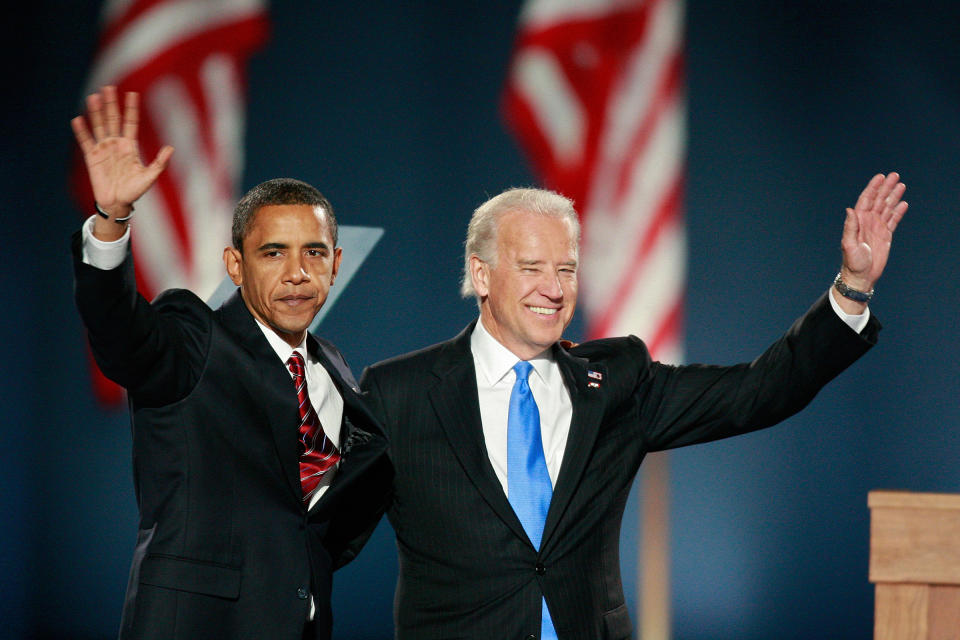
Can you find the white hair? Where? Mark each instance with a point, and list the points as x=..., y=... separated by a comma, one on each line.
x=484, y=224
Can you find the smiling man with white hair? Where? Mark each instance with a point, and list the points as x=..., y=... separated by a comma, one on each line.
x=515, y=450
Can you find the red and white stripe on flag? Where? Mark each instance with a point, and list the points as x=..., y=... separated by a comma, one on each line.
x=596, y=97
x=187, y=59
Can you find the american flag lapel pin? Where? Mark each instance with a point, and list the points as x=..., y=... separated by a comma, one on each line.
x=595, y=378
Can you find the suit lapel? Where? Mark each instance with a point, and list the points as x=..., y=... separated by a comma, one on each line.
x=584, y=426
x=270, y=383
x=333, y=362
x=454, y=398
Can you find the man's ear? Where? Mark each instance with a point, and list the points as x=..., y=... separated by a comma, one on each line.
x=480, y=275
x=337, y=255
x=233, y=261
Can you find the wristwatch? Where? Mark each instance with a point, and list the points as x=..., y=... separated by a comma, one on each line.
x=853, y=294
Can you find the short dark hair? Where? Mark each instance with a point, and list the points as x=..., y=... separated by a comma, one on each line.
x=278, y=191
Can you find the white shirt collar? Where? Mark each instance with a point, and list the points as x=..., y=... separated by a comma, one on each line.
x=494, y=361
x=284, y=350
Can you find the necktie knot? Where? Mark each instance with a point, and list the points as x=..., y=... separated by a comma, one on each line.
x=295, y=364
x=523, y=369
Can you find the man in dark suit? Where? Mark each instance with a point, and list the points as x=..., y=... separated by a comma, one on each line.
x=515, y=452
x=257, y=468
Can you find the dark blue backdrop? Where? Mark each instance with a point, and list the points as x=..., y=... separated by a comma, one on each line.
x=392, y=110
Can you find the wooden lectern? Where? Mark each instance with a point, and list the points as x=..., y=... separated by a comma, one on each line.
x=915, y=565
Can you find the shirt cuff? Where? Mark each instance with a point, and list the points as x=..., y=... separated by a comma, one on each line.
x=101, y=254
x=855, y=321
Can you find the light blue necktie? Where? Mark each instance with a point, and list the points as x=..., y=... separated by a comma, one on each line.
x=528, y=483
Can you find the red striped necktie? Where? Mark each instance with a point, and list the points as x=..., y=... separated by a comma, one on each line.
x=314, y=460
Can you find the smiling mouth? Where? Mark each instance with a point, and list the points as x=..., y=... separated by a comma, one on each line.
x=543, y=311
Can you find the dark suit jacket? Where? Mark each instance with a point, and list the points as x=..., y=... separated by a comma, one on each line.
x=467, y=570
x=226, y=548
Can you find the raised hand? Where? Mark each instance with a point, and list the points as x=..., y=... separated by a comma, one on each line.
x=112, y=154
x=868, y=231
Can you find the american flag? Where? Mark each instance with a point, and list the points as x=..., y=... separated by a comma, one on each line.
x=596, y=97
x=187, y=58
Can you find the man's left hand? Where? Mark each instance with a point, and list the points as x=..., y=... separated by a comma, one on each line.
x=868, y=232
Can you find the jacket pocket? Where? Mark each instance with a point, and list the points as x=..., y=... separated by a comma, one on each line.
x=616, y=624
x=191, y=575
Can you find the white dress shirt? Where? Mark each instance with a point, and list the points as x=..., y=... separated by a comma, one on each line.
x=856, y=322
x=495, y=378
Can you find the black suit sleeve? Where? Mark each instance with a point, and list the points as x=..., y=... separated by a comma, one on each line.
x=156, y=351
x=680, y=405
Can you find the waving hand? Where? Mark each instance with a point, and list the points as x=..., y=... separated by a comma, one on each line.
x=868, y=233
x=117, y=174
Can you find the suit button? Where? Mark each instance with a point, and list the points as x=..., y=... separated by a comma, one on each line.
x=302, y=593
x=541, y=570
x=531, y=637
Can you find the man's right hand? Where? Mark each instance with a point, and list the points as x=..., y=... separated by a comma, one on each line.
x=117, y=175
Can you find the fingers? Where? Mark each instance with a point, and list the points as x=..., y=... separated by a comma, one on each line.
x=896, y=194
x=851, y=229
x=892, y=208
x=131, y=115
x=160, y=162
x=95, y=115
x=82, y=134
x=869, y=193
x=111, y=110
x=882, y=197
x=896, y=215
x=892, y=200
x=103, y=112
x=884, y=193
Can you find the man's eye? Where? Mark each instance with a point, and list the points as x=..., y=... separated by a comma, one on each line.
x=315, y=253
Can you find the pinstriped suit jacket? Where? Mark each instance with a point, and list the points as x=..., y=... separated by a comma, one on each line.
x=467, y=570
